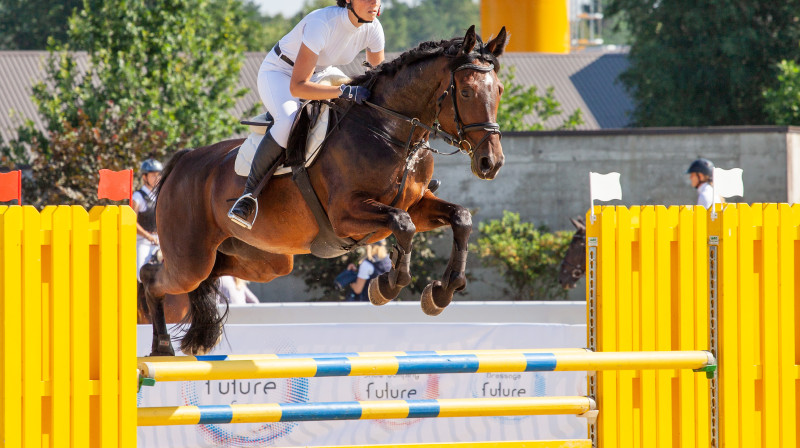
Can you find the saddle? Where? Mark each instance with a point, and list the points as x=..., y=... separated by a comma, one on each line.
x=309, y=131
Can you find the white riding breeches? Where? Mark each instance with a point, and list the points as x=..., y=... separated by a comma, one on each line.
x=273, y=87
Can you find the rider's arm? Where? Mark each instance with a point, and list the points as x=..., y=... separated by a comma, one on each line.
x=375, y=58
x=301, y=86
x=358, y=285
x=139, y=229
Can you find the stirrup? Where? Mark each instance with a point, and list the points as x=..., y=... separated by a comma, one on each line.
x=243, y=222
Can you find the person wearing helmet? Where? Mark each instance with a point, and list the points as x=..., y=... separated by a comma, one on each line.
x=701, y=177
x=323, y=39
x=143, y=203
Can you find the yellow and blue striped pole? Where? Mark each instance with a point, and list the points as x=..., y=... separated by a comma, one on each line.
x=498, y=361
x=363, y=410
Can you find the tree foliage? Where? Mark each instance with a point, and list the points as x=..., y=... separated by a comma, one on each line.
x=527, y=256
x=782, y=102
x=26, y=24
x=707, y=62
x=519, y=102
x=168, y=67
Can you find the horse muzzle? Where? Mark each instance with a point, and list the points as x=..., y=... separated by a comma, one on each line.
x=486, y=166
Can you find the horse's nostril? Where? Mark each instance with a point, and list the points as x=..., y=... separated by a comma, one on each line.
x=485, y=164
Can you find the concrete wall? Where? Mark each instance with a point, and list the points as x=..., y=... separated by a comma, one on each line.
x=546, y=180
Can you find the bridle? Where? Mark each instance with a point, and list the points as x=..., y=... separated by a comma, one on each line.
x=460, y=141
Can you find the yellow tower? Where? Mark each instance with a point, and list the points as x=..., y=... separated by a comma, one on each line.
x=535, y=25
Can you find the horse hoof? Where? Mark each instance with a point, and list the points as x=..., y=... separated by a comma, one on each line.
x=375, y=296
x=429, y=306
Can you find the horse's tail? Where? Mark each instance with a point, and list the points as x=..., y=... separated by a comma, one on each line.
x=168, y=169
x=205, y=326
x=142, y=310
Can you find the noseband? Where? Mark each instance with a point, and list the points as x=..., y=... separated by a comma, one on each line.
x=459, y=141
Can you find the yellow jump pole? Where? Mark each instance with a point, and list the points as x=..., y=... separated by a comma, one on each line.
x=423, y=364
x=363, y=410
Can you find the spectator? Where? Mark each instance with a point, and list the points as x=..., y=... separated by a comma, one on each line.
x=375, y=263
x=143, y=203
x=235, y=291
x=701, y=177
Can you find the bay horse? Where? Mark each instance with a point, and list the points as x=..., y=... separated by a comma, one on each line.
x=371, y=178
x=573, y=265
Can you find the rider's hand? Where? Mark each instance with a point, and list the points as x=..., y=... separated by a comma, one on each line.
x=152, y=238
x=358, y=94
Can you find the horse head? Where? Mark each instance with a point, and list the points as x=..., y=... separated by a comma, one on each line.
x=573, y=265
x=475, y=92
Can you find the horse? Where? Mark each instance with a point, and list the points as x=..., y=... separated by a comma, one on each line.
x=573, y=265
x=370, y=177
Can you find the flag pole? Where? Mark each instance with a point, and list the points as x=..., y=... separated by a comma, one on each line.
x=593, y=218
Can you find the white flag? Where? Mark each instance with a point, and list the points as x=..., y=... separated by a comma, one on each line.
x=728, y=183
x=604, y=187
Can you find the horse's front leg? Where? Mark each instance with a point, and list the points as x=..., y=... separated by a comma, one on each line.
x=362, y=219
x=430, y=213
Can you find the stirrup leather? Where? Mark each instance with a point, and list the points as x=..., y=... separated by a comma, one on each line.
x=243, y=222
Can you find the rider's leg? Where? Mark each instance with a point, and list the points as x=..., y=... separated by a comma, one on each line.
x=273, y=87
x=266, y=155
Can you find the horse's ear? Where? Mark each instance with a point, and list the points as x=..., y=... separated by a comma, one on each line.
x=578, y=223
x=470, y=39
x=498, y=45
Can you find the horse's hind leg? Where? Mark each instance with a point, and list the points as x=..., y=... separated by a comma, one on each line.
x=429, y=213
x=162, y=344
x=191, y=276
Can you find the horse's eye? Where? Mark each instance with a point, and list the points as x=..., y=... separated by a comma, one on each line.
x=466, y=93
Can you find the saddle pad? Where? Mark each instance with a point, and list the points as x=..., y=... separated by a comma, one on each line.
x=315, y=137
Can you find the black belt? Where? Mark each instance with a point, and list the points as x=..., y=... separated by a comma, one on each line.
x=285, y=58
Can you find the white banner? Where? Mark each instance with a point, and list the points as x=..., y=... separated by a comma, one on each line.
x=328, y=338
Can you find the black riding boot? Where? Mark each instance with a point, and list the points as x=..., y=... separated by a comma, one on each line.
x=266, y=155
x=433, y=185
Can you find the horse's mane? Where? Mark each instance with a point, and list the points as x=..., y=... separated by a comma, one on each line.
x=428, y=50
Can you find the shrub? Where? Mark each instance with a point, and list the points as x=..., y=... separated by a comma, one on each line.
x=527, y=256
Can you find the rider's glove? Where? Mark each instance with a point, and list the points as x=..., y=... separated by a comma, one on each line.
x=358, y=94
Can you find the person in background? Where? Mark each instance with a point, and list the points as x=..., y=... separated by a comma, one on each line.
x=235, y=291
x=375, y=263
x=701, y=177
x=143, y=203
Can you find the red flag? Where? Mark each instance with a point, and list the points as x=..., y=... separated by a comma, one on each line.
x=11, y=186
x=115, y=185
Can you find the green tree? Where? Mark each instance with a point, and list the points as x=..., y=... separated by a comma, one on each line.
x=26, y=24
x=519, y=102
x=173, y=64
x=707, y=62
x=782, y=102
x=527, y=256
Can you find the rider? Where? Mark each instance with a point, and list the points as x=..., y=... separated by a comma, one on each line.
x=701, y=176
x=144, y=204
x=324, y=38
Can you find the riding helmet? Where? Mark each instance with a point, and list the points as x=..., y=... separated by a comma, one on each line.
x=703, y=166
x=151, y=166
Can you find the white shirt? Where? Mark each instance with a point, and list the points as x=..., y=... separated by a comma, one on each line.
x=329, y=33
x=365, y=270
x=705, y=195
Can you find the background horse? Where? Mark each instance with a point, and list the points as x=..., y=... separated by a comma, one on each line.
x=573, y=266
x=371, y=179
